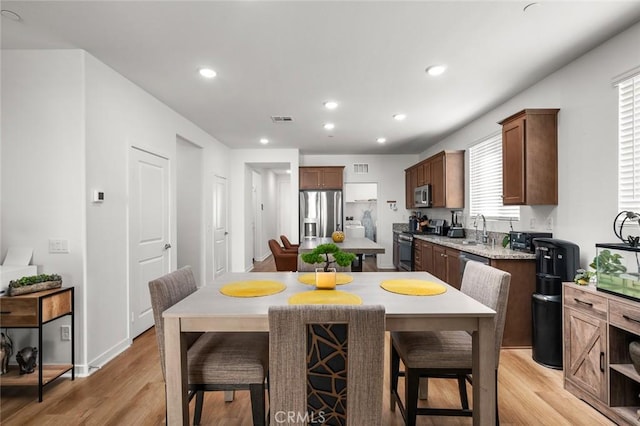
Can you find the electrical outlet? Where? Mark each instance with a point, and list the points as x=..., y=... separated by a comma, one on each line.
x=549, y=224
x=532, y=223
x=65, y=332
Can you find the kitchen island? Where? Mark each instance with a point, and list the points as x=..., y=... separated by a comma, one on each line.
x=357, y=246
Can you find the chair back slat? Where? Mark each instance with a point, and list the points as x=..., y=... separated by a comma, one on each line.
x=293, y=359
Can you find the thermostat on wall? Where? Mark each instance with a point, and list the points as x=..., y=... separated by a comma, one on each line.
x=98, y=196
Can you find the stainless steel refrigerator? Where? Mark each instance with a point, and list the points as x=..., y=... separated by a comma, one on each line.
x=320, y=213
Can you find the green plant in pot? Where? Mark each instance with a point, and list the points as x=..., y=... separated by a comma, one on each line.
x=328, y=254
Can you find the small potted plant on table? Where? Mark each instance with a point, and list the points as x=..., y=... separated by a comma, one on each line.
x=34, y=283
x=328, y=254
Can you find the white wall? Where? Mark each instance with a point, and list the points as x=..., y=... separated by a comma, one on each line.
x=42, y=167
x=388, y=172
x=71, y=128
x=587, y=142
x=189, y=208
x=285, y=213
x=243, y=161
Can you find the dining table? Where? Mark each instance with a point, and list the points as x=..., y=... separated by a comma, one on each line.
x=208, y=310
x=357, y=246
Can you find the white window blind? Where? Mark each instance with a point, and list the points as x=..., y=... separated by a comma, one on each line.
x=485, y=168
x=629, y=144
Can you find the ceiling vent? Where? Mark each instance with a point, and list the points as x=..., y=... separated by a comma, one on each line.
x=281, y=119
x=360, y=168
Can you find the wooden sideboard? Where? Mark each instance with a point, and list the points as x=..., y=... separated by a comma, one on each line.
x=35, y=310
x=597, y=330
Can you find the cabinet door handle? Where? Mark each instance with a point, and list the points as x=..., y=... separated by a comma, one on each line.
x=602, y=361
x=5, y=312
x=630, y=319
x=589, y=304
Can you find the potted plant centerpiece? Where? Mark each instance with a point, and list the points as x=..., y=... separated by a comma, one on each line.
x=329, y=254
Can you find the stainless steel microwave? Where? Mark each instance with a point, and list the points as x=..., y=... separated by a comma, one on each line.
x=422, y=196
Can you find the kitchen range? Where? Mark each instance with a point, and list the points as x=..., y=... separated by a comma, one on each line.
x=417, y=226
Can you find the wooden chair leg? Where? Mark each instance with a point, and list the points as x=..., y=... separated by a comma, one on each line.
x=257, y=404
x=462, y=387
x=395, y=370
x=412, y=382
x=197, y=414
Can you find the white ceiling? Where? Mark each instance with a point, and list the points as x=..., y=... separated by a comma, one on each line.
x=287, y=58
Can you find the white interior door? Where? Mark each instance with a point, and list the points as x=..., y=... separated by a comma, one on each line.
x=149, y=232
x=220, y=241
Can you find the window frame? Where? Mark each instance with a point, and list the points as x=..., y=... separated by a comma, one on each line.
x=484, y=178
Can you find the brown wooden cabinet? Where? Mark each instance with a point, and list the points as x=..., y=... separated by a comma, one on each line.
x=445, y=173
x=418, y=260
x=446, y=265
x=530, y=157
x=411, y=179
x=598, y=328
x=330, y=177
x=517, y=328
x=34, y=310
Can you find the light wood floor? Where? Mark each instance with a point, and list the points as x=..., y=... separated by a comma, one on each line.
x=130, y=391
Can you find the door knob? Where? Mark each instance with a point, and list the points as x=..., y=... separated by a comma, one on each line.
x=167, y=246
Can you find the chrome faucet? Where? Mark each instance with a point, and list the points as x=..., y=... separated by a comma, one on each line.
x=485, y=235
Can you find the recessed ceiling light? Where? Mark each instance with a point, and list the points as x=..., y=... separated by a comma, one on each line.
x=10, y=14
x=435, y=70
x=207, y=72
x=329, y=126
x=331, y=105
x=264, y=141
x=399, y=117
x=381, y=140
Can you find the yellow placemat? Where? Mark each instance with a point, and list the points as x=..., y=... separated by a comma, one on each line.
x=325, y=297
x=310, y=279
x=413, y=287
x=252, y=288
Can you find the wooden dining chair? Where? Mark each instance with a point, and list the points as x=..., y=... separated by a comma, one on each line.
x=326, y=364
x=447, y=354
x=215, y=361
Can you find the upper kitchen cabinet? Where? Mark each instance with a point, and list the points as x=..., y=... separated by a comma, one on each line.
x=329, y=177
x=445, y=173
x=447, y=179
x=530, y=157
x=411, y=179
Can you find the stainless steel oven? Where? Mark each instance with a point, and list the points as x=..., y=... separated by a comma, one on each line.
x=405, y=245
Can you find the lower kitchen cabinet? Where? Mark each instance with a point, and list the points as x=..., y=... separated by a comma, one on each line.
x=517, y=327
x=396, y=251
x=446, y=265
x=598, y=328
x=418, y=264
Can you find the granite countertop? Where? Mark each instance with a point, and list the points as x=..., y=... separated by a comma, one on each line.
x=497, y=252
x=485, y=250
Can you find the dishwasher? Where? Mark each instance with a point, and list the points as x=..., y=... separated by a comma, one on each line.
x=467, y=257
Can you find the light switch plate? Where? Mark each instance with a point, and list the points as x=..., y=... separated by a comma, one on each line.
x=58, y=246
